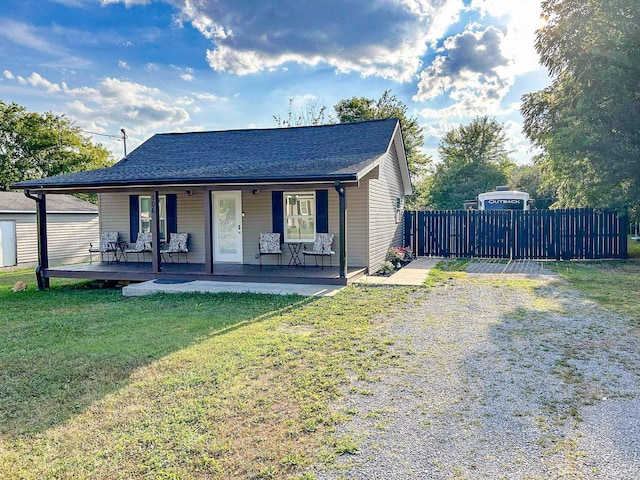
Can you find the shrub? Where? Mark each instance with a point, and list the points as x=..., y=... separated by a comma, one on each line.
x=387, y=267
x=399, y=254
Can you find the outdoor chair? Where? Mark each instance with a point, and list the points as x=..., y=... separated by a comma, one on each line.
x=177, y=245
x=142, y=246
x=269, y=244
x=321, y=248
x=108, y=244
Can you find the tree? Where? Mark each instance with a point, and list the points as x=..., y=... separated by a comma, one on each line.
x=531, y=179
x=34, y=146
x=588, y=120
x=357, y=109
x=474, y=159
x=310, y=113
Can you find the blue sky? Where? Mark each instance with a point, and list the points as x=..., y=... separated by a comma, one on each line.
x=186, y=65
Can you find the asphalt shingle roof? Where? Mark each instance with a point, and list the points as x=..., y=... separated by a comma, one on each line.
x=323, y=152
x=17, y=202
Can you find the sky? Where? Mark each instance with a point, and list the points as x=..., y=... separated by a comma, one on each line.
x=157, y=66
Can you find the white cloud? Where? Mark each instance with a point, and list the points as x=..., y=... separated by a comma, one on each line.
x=521, y=19
x=28, y=37
x=124, y=65
x=74, y=3
x=473, y=73
x=188, y=75
x=384, y=38
x=77, y=108
x=128, y=3
x=141, y=109
x=209, y=97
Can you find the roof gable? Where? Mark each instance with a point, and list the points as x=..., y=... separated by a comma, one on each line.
x=324, y=152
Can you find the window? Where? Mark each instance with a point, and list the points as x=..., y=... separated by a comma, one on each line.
x=145, y=216
x=300, y=217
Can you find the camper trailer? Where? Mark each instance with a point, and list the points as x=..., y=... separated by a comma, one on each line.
x=501, y=199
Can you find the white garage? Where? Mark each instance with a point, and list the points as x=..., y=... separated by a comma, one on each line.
x=72, y=224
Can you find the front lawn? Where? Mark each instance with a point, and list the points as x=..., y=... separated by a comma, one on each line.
x=614, y=284
x=95, y=385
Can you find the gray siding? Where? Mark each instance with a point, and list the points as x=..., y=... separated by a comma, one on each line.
x=384, y=232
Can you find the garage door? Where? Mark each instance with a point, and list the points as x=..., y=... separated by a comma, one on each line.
x=7, y=243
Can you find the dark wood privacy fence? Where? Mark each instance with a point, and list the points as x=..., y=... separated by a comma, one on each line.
x=583, y=233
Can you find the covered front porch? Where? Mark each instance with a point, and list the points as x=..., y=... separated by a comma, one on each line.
x=143, y=271
x=198, y=212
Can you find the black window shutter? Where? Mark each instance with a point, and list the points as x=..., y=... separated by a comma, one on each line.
x=134, y=217
x=277, y=213
x=322, y=211
x=172, y=213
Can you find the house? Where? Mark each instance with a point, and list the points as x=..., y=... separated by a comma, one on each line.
x=73, y=225
x=224, y=188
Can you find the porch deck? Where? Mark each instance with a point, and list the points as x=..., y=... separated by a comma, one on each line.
x=131, y=271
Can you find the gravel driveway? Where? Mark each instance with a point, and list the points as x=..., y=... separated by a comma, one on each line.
x=499, y=376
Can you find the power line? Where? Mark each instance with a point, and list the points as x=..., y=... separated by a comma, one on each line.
x=114, y=137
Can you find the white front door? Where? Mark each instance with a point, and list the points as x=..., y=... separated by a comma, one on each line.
x=227, y=226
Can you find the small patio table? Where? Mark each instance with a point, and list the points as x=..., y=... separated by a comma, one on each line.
x=118, y=251
x=294, y=249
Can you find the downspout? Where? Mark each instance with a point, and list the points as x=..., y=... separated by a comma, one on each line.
x=342, y=196
x=43, y=254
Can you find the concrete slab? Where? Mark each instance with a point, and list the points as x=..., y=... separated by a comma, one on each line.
x=518, y=267
x=201, y=286
x=414, y=274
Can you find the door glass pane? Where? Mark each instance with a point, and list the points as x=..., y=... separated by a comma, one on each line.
x=228, y=229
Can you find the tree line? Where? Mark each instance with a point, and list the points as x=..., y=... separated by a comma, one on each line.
x=34, y=145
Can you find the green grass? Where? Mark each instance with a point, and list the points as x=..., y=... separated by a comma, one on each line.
x=96, y=385
x=633, y=248
x=614, y=284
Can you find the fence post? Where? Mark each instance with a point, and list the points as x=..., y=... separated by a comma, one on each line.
x=622, y=234
x=409, y=229
x=511, y=233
